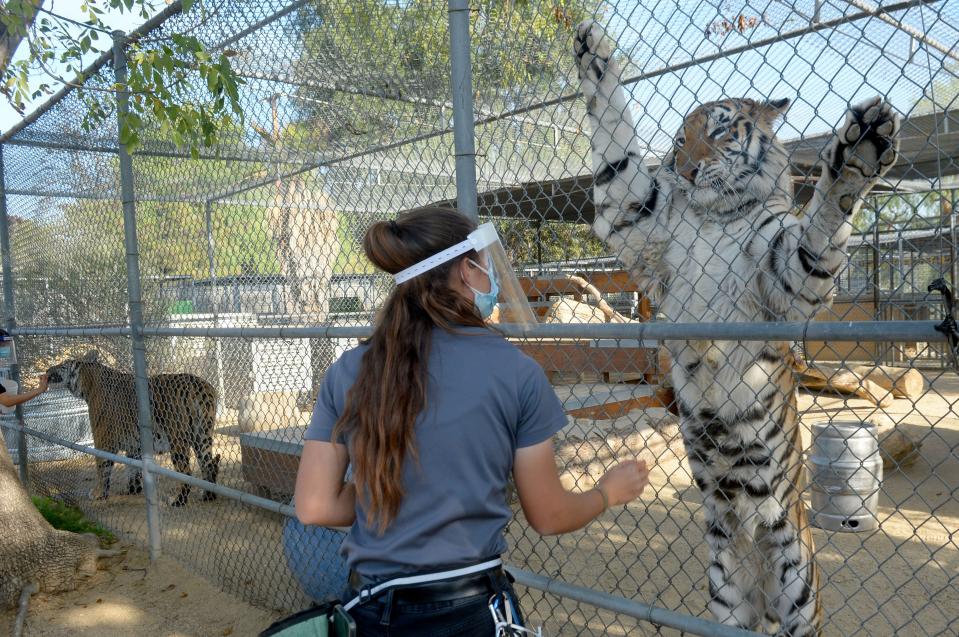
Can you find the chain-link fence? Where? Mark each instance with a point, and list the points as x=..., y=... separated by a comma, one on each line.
x=698, y=284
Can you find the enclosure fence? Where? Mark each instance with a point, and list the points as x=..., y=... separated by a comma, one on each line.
x=199, y=299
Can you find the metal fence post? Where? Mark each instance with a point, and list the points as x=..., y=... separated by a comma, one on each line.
x=211, y=257
x=461, y=84
x=9, y=318
x=144, y=414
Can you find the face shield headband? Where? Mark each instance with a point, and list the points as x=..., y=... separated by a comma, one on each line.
x=513, y=305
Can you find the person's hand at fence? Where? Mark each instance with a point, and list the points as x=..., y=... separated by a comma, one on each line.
x=9, y=399
x=623, y=483
x=550, y=509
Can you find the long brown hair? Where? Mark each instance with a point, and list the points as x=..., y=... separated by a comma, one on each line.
x=382, y=408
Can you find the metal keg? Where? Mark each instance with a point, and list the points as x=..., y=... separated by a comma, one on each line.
x=57, y=413
x=845, y=472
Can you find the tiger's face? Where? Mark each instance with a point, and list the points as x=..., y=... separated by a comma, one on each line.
x=726, y=154
x=65, y=375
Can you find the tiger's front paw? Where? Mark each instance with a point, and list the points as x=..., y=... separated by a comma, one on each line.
x=593, y=52
x=867, y=144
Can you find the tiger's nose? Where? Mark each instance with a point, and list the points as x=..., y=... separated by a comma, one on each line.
x=689, y=172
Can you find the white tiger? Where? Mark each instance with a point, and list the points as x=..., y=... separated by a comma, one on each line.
x=711, y=233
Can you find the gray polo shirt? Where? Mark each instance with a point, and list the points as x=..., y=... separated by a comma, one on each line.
x=485, y=399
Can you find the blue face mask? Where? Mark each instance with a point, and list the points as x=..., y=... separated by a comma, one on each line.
x=485, y=301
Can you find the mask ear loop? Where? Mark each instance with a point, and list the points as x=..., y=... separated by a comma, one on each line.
x=487, y=272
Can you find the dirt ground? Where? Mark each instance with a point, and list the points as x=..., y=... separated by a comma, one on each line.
x=135, y=597
x=900, y=580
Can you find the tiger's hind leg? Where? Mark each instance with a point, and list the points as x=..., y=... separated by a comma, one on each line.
x=135, y=485
x=102, y=489
x=732, y=583
x=791, y=578
x=203, y=448
x=180, y=454
x=210, y=465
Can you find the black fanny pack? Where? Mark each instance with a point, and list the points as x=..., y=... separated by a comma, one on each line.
x=332, y=619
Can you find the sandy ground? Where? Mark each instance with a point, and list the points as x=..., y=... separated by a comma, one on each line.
x=133, y=596
x=900, y=580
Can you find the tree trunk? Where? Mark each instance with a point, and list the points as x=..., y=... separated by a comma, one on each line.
x=305, y=228
x=32, y=551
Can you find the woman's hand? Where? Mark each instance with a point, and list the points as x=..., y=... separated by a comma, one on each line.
x=551, y=509
x=625, y=482
x=44, y=383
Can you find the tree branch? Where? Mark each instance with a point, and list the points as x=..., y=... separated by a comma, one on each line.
x=26, y=10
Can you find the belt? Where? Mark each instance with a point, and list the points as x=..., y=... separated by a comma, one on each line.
x=444, y=591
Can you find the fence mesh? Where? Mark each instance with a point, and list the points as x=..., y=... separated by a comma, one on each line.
x=349, y=120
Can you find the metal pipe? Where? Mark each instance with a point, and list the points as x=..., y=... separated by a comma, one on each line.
x=141, y=383
x=394, y=96
x=883, y=14
x=91, y=70
x=461, y=85
x=9, y=316
x=218, y=352
x=850, y=331
x=953, y=273
x=263, y=503
x=865, y=331
x=72, y=331
x=273, y=17
x=252, y=156
x=99, y=196
x=632, y=608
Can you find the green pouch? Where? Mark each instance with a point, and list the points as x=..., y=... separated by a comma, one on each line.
x=325, y=620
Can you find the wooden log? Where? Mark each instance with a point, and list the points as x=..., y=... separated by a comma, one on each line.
x=897, y=448
x=903, y=382
x=818, y=377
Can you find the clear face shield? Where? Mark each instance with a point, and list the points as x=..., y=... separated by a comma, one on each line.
x=512, y=305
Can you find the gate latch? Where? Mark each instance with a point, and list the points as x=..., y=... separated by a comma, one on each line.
x=949, y=327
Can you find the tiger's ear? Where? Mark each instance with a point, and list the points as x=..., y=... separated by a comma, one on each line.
x=91, y=357
x=771, y=110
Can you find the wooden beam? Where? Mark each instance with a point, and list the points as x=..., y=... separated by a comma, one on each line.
x=569, y=357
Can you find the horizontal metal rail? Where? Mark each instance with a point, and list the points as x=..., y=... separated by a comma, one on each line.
x=73, y=331
x=252, y=156
x=850, y=331
x=227, y=492
x=630, y=607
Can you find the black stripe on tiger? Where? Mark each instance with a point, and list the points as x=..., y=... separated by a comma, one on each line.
x=731, y=486
x=806, y=258
x=640, y=210
x=774, y=265
x=609, y=171
x=716, y=597
x=753, y=461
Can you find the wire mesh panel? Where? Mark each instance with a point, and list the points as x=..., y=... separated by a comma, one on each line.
x=683, y=166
